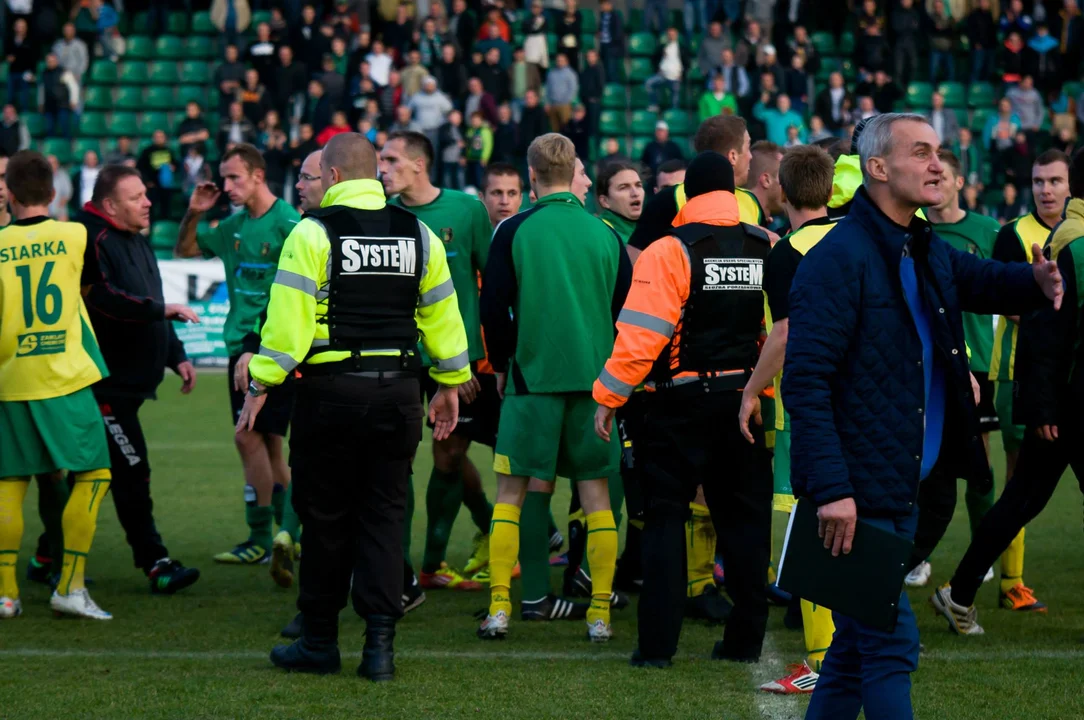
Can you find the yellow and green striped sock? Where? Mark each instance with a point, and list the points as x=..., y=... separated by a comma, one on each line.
x=80, y=522
x=699, y=550
x=12, y=494
x=602, y=554
x=503, y=552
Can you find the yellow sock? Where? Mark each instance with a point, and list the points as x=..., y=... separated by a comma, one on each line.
x=12, y=494
x=818, y=628
x=1012, y=563
x=79, y=521
x=602, y=554
x=699, y=550
x=503, y=552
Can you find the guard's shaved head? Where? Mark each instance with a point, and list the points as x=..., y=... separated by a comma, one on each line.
x=347, y=156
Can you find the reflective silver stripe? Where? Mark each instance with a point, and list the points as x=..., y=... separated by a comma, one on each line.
x=441, y=292
x=283, y=360
x=296, y=281
x=458, y=362
x=647, y=322
x=685, y=380
x=320, y=343
x=423, y=229
x=614, y=385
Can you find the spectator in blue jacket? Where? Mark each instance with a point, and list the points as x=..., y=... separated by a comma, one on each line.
x=878, y=387
x=776, y=120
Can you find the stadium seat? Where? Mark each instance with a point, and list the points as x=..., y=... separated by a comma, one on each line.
x=164, y=235
x=846, y=44
x=638, y=98
x=824, y=43
x=61, y=147
x=98, y=98
x=1073, y=89
x=82, y=145
x=193, y=92
x=202, y=25
x=198, y=47
x=846, y=65
x=148, y=122
x=129, y=97
x=160, y=97
x=177, y=23
x=195, y=72
x=978, y=120
x=918, y=94
x=613, y=97
x=140, y=47
x=622, y=146
x=588, y=21
x=132, y=73
x=139, y=25
x=639, y=143
x=694, y=76
x=634, y=20
x=955, y=94
x=643, y=122
x=827, y=66
x=260, y=16
x=35, y=124
x=612, y=122
x=640, y=69
x=587, y=42
x=93, y=124
x=961, y=116
x=680, y=122
x=103, y=72
x=122, y=123
x=163, y=72
x=169, y=47
x=981, y=95
x=642, y=44
x=551, y=47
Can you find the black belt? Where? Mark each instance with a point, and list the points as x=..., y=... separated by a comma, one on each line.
x=367, y=366
x=724, y=381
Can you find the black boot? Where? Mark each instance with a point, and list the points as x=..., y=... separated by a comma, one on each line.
x=293, y=629
x=378, y=655
x=316, y=652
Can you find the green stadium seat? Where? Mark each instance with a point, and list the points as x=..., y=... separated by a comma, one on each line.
x=122, y=123
x=639, y=143
x=643, y=122
x=918, y=94
x=202, y=25
x=61, y=147
x=612, y=122
x=163, y=72
x=160, y=97
x=978, y=121
x=132, y=73
x=82, y=145
x=961, y=116
x=169, y=47
x=846, y=65
x=613, y=97
x=551, y=47
x=148, y=122
x=140, y=24
x=3, y=72
x=129, y=97
x=177, y=23
x=640, y=69
x=622, y=146
x=140, y=47
x=98, y=98
x=693, y=75
x=164, y=235
x=981, y=95
x=955, y=94
x=260, y=16
x=638, y=98
x=198, y=47
x=195, y=72
x=588, y=21
x=828, y=66
x=824, y=43
x=35, y=124
x=163, y=254
x=634, y=20
x=846, y=44
x=642, y=44
x=93, y=124
x=200, y=94
x=1073, y=89
x=103, y=72
x=587, y=42
x=680, y=122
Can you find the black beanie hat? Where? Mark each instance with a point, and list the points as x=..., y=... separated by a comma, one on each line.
x=708, y=172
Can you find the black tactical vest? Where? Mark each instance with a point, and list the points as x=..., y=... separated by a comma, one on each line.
x=721, y=321
x=374, y=274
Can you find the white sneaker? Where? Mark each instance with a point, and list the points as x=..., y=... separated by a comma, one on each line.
x=919, y=575
x=79, y=604
x=989, y=576
x=494, y=627
x=962, y=620
x=10, y=608
x=599, y=631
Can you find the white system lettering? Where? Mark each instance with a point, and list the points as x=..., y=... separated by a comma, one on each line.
x=733, y=273
x=378, y=256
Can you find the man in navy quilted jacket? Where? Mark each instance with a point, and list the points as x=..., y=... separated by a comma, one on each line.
x=877, y=383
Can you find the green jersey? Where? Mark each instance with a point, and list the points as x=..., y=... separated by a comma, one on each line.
x=621, y=225
x=249, y=248
x=462, y=222
x=974, y=234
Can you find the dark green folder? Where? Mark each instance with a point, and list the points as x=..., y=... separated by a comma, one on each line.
x=864, y=585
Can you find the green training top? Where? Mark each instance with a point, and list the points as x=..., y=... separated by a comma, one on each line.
x=621, y=225
x=462, y=223
x=249, y=248
x=974, y=234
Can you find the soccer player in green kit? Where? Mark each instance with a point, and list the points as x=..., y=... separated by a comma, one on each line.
x=462, y=222
x=248, y=243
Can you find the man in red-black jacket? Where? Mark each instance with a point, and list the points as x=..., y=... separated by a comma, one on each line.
x=123, y=293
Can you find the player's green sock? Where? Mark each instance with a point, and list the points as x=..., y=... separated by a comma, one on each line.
x=534, y=546
x=260, y=521
x=443, y=497
x=408, y=518
x=278, y=502
x=978, y=505
x=481, y=510
x=52, y=497
x=290, y=522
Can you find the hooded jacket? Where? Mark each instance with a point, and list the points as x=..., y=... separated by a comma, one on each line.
x=125, y=302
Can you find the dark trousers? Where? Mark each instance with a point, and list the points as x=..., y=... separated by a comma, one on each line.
x=936, y=506
x=131, y=485
x=683, y=446
x=1037, y=473
x=351, y=443
x=867, y=668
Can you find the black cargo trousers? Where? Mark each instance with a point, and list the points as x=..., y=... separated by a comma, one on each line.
x=352, y=439
x=690, y=437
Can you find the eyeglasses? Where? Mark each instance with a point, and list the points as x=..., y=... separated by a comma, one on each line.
x=305, y=177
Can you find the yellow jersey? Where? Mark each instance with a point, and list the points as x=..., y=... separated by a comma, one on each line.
x=47, y=344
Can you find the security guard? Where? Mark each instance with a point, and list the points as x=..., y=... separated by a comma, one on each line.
x=690, y=328
x=357, y=283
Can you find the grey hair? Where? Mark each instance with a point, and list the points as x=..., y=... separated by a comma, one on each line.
x=876, y=137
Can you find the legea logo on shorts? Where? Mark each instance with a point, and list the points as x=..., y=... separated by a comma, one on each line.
x=45, y=343
x=733, y=273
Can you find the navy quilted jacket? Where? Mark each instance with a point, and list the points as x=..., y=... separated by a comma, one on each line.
x=853, y=379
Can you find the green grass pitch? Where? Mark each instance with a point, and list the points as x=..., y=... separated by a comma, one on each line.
x=203, y=653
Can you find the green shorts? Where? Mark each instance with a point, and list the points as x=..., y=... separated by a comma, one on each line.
x=63, y=433
x=1012, y=436
x=782, y=495
x=543, y=436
